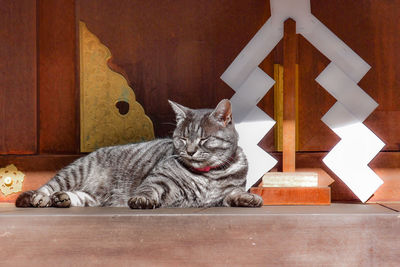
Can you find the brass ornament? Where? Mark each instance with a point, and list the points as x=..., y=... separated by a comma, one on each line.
x=11, y=180
x=110, y=114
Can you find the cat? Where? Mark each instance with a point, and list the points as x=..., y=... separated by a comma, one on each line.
x=201, y=166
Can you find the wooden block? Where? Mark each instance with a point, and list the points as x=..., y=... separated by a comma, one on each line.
x=290, y=179
x=294, y=195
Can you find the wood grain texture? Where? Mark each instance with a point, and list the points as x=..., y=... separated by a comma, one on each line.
x=314, y=101
x=267, y=103
x=370, y=29
x=382, y=82
x=18, y=114
x=294, y=195
x=359, y=235
x=58, y=92
x=289, y=96
x=174, y=49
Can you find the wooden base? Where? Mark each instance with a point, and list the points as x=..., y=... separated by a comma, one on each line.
x=294, y=195
x=290, y=179
x=336, y=235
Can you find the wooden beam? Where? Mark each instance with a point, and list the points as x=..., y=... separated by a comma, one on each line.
x=278, y=105
x=289, y=96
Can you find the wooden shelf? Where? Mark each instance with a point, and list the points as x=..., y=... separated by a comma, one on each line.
x=340, y=234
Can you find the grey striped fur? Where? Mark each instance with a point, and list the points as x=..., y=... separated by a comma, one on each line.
x=201, y=166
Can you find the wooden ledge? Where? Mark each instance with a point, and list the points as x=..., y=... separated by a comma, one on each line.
x=8, y=209
x=340, y=234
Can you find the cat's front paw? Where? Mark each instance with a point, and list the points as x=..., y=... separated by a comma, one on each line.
x=143, y=202
x=243, y=199
x=61, y=200
x=40, y=200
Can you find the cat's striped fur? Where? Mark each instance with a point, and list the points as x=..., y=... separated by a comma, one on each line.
x=202, y=166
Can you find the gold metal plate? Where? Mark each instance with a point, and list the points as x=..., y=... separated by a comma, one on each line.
x=102, y=123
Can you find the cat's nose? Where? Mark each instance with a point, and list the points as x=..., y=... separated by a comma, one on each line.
x=191, y=153
x=191, y=149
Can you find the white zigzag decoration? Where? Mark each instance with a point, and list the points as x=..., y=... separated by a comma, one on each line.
x=358, y=146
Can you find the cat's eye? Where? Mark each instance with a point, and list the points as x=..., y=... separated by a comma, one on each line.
x=183, y=140
x=203, y=140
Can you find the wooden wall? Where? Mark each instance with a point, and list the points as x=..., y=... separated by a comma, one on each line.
x=58, y=90
x=369, y=28
x=174, y=49
x=177, y=49
x=18, y=88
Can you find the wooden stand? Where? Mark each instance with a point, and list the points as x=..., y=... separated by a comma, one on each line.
x=294, y=195
x=289, y=96
x=291, y=195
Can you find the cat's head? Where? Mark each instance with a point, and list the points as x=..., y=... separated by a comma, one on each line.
x=204, y=137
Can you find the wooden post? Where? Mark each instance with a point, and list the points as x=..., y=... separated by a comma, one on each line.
x=289, y=96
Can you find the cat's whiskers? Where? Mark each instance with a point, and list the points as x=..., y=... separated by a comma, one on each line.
x=226, y=163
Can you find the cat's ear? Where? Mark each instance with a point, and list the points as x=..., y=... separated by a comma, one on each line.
x=223, y=112
x=180, y=111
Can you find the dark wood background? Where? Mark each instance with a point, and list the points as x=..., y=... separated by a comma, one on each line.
x=18, y=80
x=178, y=49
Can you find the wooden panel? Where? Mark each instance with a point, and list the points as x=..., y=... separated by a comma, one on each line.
x=289, y=96
x=174, y=49
x=18, y=77
x=314, y=101
x=337, y=235
x=370, y=29
x=38, y=170
x=382, y=82
x=184, y=61
x=294, y=195
x=267, y=102
x=57, y=87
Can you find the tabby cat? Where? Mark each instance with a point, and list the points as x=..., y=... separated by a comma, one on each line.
x=201, y=166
